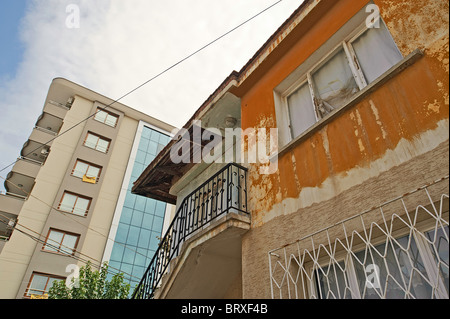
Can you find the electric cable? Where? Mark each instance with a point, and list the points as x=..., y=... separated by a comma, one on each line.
x=73, y=219
x=92, y=115
x=96, y=263
x=67, y=215
x=152, y=78
x=123, y=96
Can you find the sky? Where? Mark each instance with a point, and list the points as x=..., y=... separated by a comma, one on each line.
x=115, y=46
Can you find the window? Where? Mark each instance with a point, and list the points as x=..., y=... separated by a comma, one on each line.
x=40, y=284
x=396, y=267
x=97, y=142
x=408, y=262
x=438, y=244
x=332, y=282
x=75, y=204
x=84, y=169
x=61, y=242
x=352, y=65
x=106, y=117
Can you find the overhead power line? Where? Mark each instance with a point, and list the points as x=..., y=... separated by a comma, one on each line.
x=154, y=77
x=37, y=237
x=73, y=219
x=110, y=104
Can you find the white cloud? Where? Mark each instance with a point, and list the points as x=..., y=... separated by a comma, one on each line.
x=121, y=44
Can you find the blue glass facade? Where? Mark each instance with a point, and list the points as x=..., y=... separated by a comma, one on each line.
x=141, y=219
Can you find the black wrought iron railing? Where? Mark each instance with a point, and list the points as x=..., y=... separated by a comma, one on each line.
x=221, y=194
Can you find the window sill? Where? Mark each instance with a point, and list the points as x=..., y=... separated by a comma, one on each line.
x=71, y=214
x=95, y=149
x=57, y=253
x=81, y=179
x=396, y=69
x=111, y=126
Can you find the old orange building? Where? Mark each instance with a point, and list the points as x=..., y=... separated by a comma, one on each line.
x=358, y=204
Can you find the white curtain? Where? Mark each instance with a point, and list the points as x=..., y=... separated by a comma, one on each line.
x=301, y=110
x=397, y=273
x=92, y=171
x=376, y=52
x=81, y=206
x=68, y=202
x=91, y=140
x=80, y=169
x=334, y=81
x=54, y=239
x=68, y=244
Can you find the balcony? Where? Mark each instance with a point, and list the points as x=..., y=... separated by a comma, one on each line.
x=35, y=151
x=10, y=207
x=19, y=182
x=18, y=185
x=56, y=109
x=200, y=254
x=42, y=136
x=49, y=123
x=10, y=204
x=27, y=167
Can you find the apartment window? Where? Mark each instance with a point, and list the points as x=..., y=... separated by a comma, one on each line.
x=40, y=284
x=75, y=204
x=348, y=68
x=332, y=282
x=86, y=171
x=61, y=242
x=105, y=117
x=97, y=142
x=399, y=261
x=437, y=243
x=406, y=261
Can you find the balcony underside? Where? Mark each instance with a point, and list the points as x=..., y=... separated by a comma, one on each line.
x=209, y=265
x=19, y=184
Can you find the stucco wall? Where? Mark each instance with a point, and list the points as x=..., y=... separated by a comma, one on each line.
x=393, y=140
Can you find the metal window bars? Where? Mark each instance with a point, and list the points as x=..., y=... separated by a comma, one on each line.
x=396, y=250
x=221, y=194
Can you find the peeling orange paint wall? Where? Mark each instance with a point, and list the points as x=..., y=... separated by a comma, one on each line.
x=407, y=105
x=391, y=141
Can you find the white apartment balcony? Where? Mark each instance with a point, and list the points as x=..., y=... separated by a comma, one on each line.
x=56, y=109
x=42, y=136
x=35, y=151
x=20, y=180
x=27, y=167
x=10, y=207
x=49, y=123
x=19, y=185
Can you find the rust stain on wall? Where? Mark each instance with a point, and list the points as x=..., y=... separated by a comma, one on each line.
x=415, y=23
x=407, y=106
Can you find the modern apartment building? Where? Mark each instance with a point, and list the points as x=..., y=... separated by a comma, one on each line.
x=350, y=198
x=68, y=196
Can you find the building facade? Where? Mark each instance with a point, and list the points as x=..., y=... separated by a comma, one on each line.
x=351, y=199
x=68, y=196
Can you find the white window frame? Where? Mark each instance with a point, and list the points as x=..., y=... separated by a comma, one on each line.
x=346, y=45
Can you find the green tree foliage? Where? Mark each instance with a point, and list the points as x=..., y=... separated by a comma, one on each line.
x=91, y=285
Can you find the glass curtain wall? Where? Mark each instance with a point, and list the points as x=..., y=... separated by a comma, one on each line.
x=142, y=218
